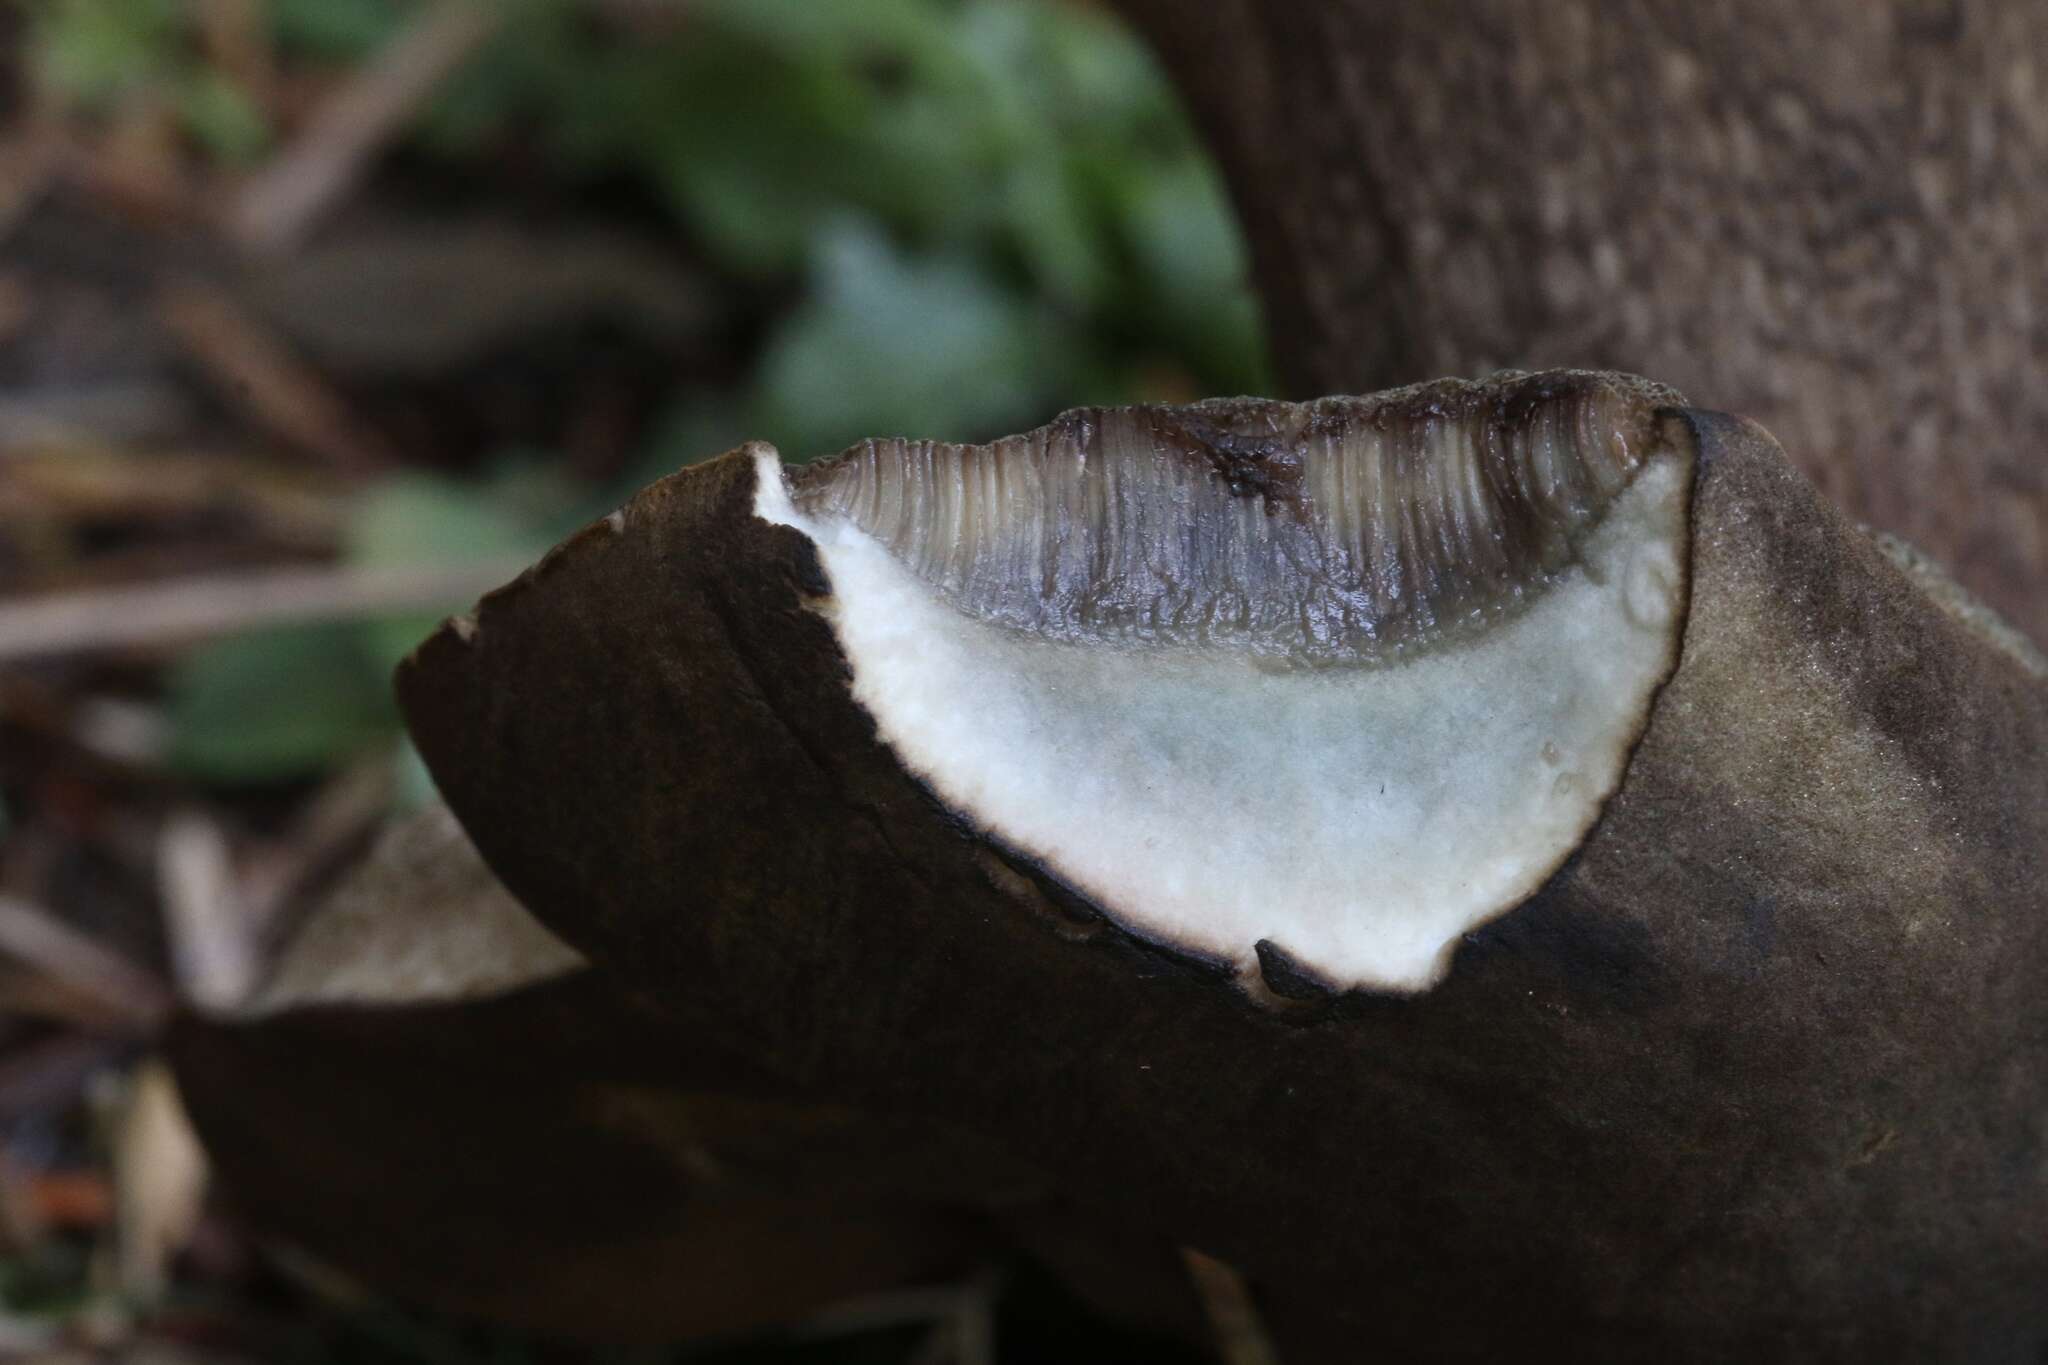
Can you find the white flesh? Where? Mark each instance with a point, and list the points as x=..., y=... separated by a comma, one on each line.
x=1361, y=818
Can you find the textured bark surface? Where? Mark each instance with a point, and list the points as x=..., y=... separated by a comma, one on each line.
x=1761, y=1074
x=1831, y=216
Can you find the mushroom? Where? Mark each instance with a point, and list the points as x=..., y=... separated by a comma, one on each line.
x=1734, y=1047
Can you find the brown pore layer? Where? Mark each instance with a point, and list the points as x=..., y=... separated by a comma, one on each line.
x=1346, y=529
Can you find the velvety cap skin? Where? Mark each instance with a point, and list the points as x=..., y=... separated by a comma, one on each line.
x=1758, y=1073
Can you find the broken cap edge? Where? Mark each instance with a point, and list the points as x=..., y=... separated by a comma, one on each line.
x=1255, y=956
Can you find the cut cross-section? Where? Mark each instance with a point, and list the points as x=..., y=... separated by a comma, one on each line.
x=1345, y=678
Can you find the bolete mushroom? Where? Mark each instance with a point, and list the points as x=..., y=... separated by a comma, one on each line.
x=967, y=782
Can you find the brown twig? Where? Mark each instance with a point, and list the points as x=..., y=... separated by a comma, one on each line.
x=28, y=992
x=167, y=613
x=114, y=410
x=280, y=206
x=257, y=370
x=39, y=938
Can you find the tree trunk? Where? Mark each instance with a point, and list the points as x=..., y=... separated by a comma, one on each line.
x=1827, y=216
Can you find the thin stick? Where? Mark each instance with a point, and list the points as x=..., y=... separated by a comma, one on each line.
x=255, y=369
x=194, y=608
x=278, y=207
x=38, y=938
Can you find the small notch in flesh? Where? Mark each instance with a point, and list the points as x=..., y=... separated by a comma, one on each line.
x=1287, y=978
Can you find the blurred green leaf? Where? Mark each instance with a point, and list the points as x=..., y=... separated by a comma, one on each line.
x=46, y=1283
x=282, y=704
x=1085, y=67
x=412, y=786
x=1191, y=260
x=994, y=209
x=542, y=59
x=1058, y=232
x=277, y=704
x=1034, y=143
x=95, y=54
x=96, y=51
x=424, y=519
x=809, y=31
x=220, y=114
x=336, y=30
x=758, y=150
x=427, y=519
x=890, y=344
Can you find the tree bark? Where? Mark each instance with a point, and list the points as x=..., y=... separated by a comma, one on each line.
x=1830, y=216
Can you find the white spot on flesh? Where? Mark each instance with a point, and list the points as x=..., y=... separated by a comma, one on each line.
x=1360, y=818
x=1651, y=583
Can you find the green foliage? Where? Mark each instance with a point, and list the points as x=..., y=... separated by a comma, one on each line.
x=335, y=30
x=1022, y=159
x=277, y=704
x=424, y=519
x=96, y=55
x=97, y=52
x=291, y=703
x=889, y=344
x=222, y=117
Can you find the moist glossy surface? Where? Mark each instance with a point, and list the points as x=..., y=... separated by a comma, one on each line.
x=1346, y=529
